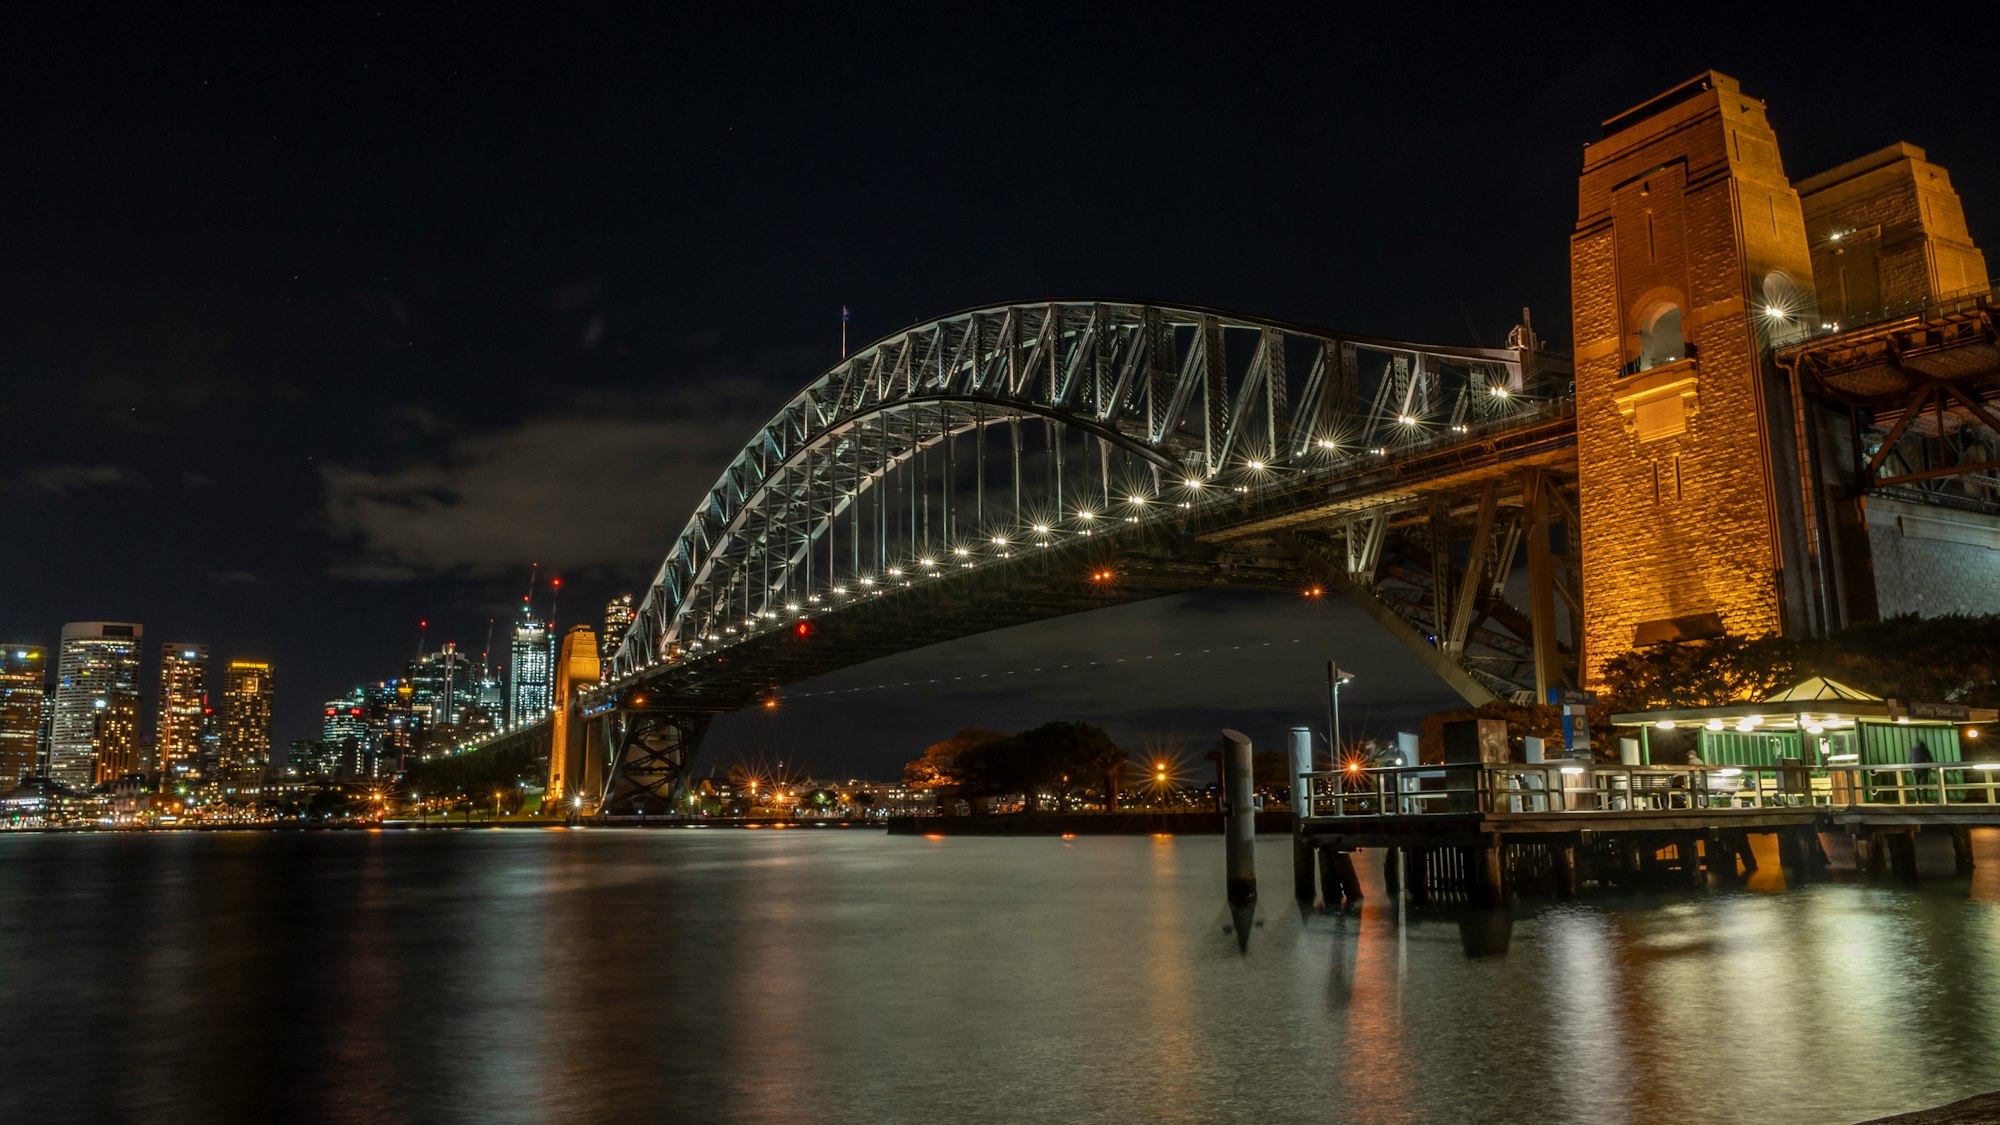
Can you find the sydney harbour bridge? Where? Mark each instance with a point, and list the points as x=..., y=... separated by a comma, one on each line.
x=1024, y=461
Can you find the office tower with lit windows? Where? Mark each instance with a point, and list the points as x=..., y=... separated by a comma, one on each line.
x=530, y=674
x=183, y=694
x=618, y=614
x=443, y=688
x=246, y=717
x=344, y=734
x=23, y=669
x=115, y=732
x=97, y=661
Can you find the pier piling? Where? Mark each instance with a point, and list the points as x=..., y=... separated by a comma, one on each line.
x=1240, y=825
x=1302, y=849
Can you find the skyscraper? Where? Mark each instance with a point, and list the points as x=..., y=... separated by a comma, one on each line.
x=344, y=733
x=246, y=717
x=115, y=732
x=98, y=660
x=22, y=670
x=183, y=693
x=442, y=689
x=528, y=689
x=618, y=616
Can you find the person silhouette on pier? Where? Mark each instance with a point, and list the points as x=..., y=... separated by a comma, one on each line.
x=1920, y=778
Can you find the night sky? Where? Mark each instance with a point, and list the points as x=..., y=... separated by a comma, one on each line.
x=317, y=326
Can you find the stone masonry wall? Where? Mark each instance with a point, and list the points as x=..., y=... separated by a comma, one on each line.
x=1682, y=523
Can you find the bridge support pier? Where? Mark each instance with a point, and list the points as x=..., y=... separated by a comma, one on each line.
x=650, y=755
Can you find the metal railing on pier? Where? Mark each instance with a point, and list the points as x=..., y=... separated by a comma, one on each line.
x=1595, y=787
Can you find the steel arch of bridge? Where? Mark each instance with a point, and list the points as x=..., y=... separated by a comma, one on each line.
x=1182, y=390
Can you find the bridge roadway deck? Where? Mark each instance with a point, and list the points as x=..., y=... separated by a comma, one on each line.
x=1148, y=562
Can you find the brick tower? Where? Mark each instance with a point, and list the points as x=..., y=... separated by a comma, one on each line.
x=1690, y=256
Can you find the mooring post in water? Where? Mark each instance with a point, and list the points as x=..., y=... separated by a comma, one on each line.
x=1239, y=817
x=1302, y=851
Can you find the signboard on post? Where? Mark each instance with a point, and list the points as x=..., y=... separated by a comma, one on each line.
x=1576, y=717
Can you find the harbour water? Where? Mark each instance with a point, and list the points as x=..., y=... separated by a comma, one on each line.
x=838, y=976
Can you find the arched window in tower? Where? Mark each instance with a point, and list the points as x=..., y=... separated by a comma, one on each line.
x=1660, y=340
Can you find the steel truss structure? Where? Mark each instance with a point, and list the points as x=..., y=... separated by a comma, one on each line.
x=1137, y=407
x=1012, y=463
x=1922, y=398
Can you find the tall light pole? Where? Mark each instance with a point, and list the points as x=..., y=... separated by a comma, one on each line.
x=1334, y=678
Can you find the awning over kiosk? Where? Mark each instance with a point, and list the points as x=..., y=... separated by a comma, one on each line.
x=1819, y=721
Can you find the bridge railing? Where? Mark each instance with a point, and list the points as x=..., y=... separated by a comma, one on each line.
x=1596, y=787
x=1311, y=484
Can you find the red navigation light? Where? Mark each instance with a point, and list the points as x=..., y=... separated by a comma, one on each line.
x=803, y=629
x=350, y=710
x=329, y=712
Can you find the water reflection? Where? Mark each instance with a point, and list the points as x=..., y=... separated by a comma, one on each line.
x=518, y=976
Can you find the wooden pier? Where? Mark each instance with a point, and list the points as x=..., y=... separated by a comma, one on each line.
x=1477, y=831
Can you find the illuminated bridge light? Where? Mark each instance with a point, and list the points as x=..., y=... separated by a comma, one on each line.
x=895, y=572
x=1192, y=482
x=1256, y=466
x=1086, y=515
x=960, y=551
x=1406, y=419
x=1498, y=391
x=927, y=562
x=1325, y=443
x=999, y=541
x=1041, y=529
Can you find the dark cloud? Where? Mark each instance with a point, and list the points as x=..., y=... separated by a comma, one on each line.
x=234, y=578
x=602, y=487
x=57, y=480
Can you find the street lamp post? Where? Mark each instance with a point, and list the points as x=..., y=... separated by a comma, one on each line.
x=1334, y=678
